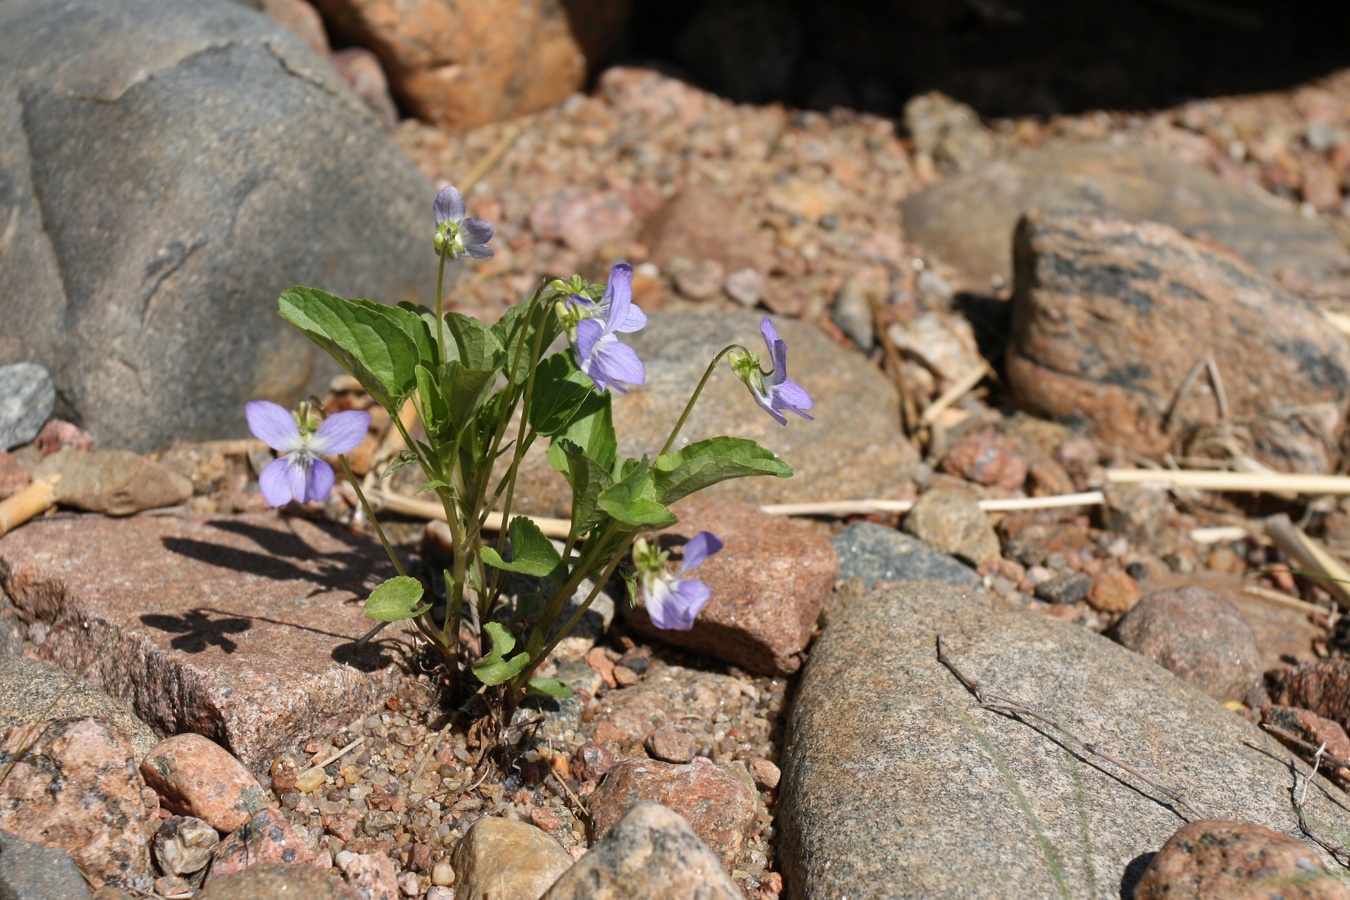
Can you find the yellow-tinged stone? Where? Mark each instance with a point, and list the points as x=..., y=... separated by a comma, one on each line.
x=310, y=779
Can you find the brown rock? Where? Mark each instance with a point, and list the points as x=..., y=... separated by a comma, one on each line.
x=76, y=787
x=455, y=65
x=718, y=806
x=986, y=458
x=1030, y=539
x=219, y=616
x=952, y=521
x=265, y=838
x=196, y=777
x=112, y=482
x=769, y=584
x=1113, y=591
x=582, y=219
x=650, y=853
x=672, y=743
x=1091, y=294
x=698, y=224
x=275, y=880
x=1239, y=860
x=1315, y=730
x=505, y=859
x=592, y=761
x=1322, y=687
x=765, y=774
x=362, y=70
x=13, y=477
x=967, y=219
x=1198, y=636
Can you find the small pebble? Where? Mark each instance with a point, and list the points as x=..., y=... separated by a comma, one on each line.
x=1064, y=589
x=442, y=874
x=311, y=780
x=672, y=743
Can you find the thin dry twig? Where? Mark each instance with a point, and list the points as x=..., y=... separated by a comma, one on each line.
x=962, y=386
x=1338, y=852
x=909, y=412
x=33, y=500
x=1304, y=745
x=1248, y=482
x=1007, y=707
x=334, y=756
x=1297, y=545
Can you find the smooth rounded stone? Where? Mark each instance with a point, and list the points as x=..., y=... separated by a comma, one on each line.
x=1237, y=860
x=951, y=521
x=194, y=776
x=672, y=743
x=1110, y=318
x=879, y=555
x=184, y=845
x=1197, y=635
x=893, y=776
x=769, y=584
x=29, y=687
x=279, y=880
x=267, y=837
x=718, y=806
x=26, y=400
x=113, y=482
x=506, y=859
x=968, y=220
x=1065, y=588
x=33, y=871
x=171, y=167
x=650, y=853
x=857, y=413
x=1113, y=591
x=987, y=458
x=75, y=786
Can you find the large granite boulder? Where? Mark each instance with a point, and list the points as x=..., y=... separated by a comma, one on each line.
x=166, y=170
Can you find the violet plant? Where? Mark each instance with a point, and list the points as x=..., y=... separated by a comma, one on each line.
x=484, y=395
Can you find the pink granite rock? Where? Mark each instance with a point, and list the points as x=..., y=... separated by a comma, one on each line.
x=238, y=628
x=76, y=787
x=197, y=777
x=718, y=806
x=769, y=584
x=265, y=838
x=374, y=875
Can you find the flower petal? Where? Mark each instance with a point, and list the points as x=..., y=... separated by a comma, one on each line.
x=297, y=473
x=770, y=333
x=275, y=486
x=766, y=404
x=478, y=251
x=618, y=296
x=319, y=481
x=615, y=362
x=791, y=395
x=588, y=332
x=449, y=205
x=340, y=433
x=700, y=547
x=273, y=425
x=682, y=604
x=475, y=231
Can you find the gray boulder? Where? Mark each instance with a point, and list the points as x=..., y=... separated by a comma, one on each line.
x=166, y=170
x=895, y=783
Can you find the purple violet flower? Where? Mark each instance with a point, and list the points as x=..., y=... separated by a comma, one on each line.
x=673, y=603
x=596, y=349
x=301, y=474
x=772, y=390
x=457, y=236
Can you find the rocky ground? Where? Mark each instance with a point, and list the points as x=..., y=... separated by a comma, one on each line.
x=1163, y=303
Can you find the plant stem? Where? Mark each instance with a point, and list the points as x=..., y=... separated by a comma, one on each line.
x=370, y=514
x=440, y=318
x=693, y=398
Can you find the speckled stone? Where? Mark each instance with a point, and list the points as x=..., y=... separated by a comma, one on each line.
x=951, y=521
x=769, y=584
x=265, y=838
x=880, y=555
x=195, y=776
x=881, y=732
x=650, y=853
x=856, y=413
x=1197, y=635
x=1239, y=860
x=279, y=880
x=32, y=871
x=506, y=859
x=26, y=400
x=238, y=627
x=28, y=687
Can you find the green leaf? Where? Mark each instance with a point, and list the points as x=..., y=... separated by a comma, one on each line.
x=531, y=552
x=633, y=500
x=705, y=463
x=588, y=480
x=466, y=390
x=396, y=600
x=592, y=430
x=369, y=340
x=548, y=687
x=560, y=388
x=495, y=668
x=405, y=457
x=417, y=322
x=475, y=346
x=433, y=403
x=514, y=329
x=434, y=484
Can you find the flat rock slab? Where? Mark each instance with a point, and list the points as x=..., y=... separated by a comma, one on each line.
x=239, y=628
x=895, y=784
x=968, y=220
